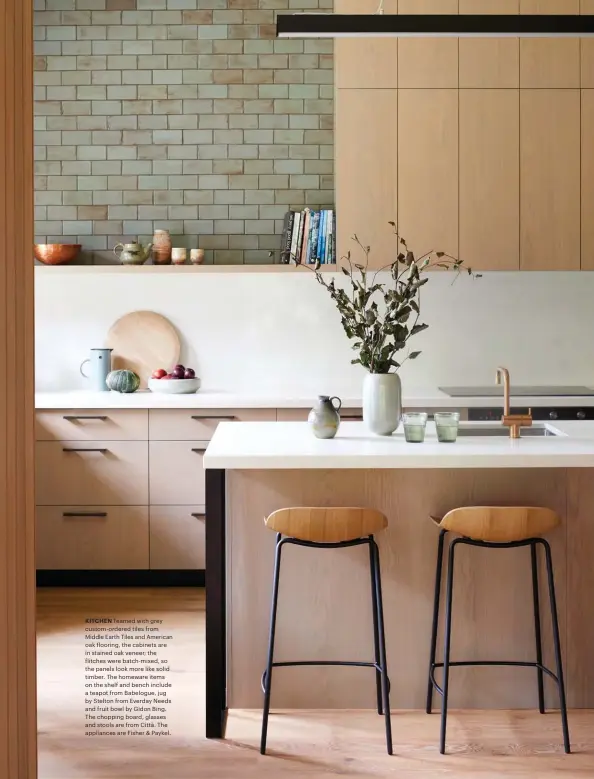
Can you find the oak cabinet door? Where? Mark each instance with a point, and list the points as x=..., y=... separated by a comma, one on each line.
x=366, y=172
x=427, y=62
x=368, y=63
x=177, y=537
x=88, y=473
x=550, y=179
x=176, y=473
x=92, y=537
x=200, y=424
x=490, y=179
x=428, y=169
x=587, y=179
x=91, y=425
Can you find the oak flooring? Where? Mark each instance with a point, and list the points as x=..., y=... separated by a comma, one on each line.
x=309, y=744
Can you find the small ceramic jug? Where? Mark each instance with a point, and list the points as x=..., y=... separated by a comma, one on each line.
x=324, y=418
x=100, y=366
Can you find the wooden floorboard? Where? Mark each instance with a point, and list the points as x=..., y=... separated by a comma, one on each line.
x=312, y=744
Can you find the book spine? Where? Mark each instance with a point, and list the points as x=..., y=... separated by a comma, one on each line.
x=286, y=237
x=314, y=237
x=320, y=253
x=295, y=235
x=333, y=255
x=297, y=257
x=329, y=237
x=305, y=243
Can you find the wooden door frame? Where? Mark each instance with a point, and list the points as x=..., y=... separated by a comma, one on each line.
x=18, y=705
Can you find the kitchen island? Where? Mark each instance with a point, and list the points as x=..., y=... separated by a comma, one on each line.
x=324, y=610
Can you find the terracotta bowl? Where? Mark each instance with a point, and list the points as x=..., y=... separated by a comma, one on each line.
x=55, y=253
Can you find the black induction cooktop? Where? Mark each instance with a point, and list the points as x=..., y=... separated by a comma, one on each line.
x=517, y=391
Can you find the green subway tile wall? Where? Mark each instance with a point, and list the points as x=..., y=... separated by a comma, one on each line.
x=186, y=115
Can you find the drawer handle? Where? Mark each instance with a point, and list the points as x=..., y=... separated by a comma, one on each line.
x=199, y=451
x=70, y=418
x=84, y=514
x=82, y=449
x=220, y=417
x=351, y=419
x=198, y=516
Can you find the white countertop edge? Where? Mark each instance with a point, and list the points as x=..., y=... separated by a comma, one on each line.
x=291, y=445
x=431, y=398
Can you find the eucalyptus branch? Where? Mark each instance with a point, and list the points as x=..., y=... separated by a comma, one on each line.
x=378, y=335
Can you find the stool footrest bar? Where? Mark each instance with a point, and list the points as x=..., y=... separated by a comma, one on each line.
x=489, y=663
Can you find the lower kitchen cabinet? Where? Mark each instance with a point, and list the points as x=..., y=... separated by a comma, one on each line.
x=177, y=537
x=91, y=473
x=176, y=473
x=92, y=537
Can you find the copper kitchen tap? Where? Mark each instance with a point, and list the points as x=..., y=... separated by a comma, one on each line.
x=514, y=421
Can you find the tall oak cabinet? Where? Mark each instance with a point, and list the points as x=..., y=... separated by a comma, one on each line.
x=481, y=147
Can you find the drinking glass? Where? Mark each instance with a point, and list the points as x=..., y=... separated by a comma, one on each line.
x=446, y=424
x=414, y=427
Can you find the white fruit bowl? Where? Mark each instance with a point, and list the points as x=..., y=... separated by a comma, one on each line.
x=174, y=386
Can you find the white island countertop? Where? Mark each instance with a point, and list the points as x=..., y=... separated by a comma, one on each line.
x=283, y=445
x=413, y=398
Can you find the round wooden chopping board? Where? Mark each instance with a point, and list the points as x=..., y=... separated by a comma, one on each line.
x=143, y=341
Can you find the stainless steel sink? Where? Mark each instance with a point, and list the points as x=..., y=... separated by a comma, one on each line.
x=489, y=431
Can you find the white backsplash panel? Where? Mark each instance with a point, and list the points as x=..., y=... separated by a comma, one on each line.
x=280, y=332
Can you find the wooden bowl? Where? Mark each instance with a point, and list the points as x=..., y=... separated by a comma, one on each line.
x=55, y=253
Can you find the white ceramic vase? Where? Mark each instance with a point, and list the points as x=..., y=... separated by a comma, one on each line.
x=382, y=402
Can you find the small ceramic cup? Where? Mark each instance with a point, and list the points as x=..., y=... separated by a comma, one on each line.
x=196, y=256
x=178, y=256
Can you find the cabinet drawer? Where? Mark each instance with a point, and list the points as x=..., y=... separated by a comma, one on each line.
x=177, y=537
x=91, y=425
x=92, y=537
x=300, y=414
x=104, y=473
x=177, y=473
x=199, y=424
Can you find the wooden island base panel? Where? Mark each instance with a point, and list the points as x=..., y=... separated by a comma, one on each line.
x=324, y=610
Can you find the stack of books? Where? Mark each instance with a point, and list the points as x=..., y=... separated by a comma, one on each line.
x=309, y=237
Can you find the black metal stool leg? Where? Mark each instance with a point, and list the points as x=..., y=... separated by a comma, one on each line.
x=268, y=677
x=376, y=649
x=537, y=632
x=446, y=646
x=435, y=625
x=557, y=645
x=382, y=644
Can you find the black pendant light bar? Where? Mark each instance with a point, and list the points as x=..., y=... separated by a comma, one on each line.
x=320, y=25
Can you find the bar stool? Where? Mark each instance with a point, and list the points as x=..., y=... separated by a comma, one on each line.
x=331, y=528
x=496, y=528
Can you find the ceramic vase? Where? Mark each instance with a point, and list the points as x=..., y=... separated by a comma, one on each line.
x=324, y=418
x=382, y=402
x=161, y=247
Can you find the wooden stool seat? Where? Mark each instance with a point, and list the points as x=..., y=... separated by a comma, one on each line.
x=326, y=525
x=499, y=524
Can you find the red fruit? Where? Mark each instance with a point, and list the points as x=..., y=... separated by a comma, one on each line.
x=158, y=374
x=178, y=372
x=169, y=376
x=190, y=373
x=179, y=366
